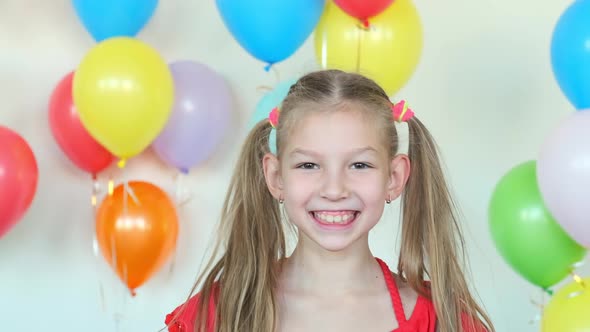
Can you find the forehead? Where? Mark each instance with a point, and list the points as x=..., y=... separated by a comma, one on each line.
x=334, y=131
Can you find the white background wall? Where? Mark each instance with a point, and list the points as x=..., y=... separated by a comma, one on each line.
x=483, y=86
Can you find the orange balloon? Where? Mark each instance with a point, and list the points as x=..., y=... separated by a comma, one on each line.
x=136, y=229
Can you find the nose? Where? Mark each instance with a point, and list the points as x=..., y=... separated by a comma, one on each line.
x=334, y=186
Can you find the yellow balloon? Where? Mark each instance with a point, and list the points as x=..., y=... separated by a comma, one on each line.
x=123, y=91
x=387, y=51
x=569, y=309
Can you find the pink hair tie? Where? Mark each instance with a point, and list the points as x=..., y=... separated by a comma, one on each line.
x=401, y=111
x=273, y=117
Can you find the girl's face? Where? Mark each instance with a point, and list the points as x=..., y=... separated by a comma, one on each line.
x=335, y=176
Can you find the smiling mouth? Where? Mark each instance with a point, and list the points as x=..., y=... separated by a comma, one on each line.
x=335, y=217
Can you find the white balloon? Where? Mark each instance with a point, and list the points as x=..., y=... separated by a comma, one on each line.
x=563, y=173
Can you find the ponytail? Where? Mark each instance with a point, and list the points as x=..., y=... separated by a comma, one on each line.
x=430, y=230
x=246, y=272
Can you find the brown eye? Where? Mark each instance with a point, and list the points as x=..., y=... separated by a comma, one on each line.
x=360, y=166
x=307, y=166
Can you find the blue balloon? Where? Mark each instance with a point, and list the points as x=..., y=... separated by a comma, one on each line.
x=570, y=53
x=270, y=30
x=269, y=101
x=114, y=18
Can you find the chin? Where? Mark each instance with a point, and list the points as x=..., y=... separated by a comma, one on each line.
x=333, y=244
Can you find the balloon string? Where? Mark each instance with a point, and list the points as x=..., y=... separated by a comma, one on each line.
x=358, y=49
x=131, y=192
x=579, y=280
x=263, y=88
x=540, y=306
x=324, y=52
x=114, y=251
x=95, y=189
x=95, y=249
x=117, y=318
x=178, y=185
x=172, y=263
x=277, y=74
x=179, y=193
x=362, y=28
x=182, y=195
x=125, y=194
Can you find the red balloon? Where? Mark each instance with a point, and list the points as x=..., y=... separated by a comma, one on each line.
x=69, y=133
x=363, y=9
x=18, y=178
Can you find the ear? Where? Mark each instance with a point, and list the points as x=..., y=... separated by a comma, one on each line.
x=272, y=175
x=398, y=177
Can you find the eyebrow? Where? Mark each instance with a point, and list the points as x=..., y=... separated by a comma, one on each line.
x=315, y=154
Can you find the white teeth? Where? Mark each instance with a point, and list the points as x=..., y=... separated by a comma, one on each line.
x=329, y=218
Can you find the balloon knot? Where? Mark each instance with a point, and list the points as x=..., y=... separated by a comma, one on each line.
x=548, y=291
x=365, y=23
x=267, y=67
x=183, y=170
x=133, y=293
x=122, y=163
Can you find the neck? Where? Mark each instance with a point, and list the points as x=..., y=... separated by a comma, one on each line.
x=312, y=269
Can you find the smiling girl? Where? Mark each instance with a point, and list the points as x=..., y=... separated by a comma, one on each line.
x=334, y=168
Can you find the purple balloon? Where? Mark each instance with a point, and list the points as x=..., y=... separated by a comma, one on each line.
x=199, y=117
x=563, y=174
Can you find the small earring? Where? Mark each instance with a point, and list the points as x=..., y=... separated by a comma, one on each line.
x=388, y=200
x=281, y=200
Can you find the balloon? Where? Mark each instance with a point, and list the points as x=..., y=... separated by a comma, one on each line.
x=269, y=101
x=524, y=232
x=136, y=229
x=123, y=91
x=114, y=18
x=570, y=54
x=363, y=9
x=199, y=118
x=69, y=133
x=564, y=175
x=18, y=178
x=568, y=308
x=270, y=30
x=388, y=52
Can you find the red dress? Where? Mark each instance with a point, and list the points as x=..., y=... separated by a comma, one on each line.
x=422, y=319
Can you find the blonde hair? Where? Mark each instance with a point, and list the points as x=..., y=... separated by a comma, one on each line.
x=253, y=234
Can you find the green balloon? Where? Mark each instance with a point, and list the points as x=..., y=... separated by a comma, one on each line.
x=525, y=233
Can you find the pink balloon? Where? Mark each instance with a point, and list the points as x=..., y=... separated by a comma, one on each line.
x=563, y=173
x=18, y=178
x=69, y=133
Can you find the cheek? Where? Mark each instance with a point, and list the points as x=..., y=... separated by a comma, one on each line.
x=299, y=186
x=372, y=187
